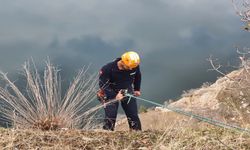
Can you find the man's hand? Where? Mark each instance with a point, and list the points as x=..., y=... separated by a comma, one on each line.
x=137, y=93
x=119, y=96
x=101, y=96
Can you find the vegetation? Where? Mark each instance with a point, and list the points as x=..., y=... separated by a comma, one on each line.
x=203, y=137
x=43, y=106
x=142, y=109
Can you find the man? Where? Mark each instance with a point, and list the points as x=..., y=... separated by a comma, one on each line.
x=122, y=73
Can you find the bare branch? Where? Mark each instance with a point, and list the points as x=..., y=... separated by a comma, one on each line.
x=217, y=67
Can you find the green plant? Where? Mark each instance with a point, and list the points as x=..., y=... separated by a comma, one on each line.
x=142, y=109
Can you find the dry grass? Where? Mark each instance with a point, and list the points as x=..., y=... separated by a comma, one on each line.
x=181, y=132
x=173, y=137
x=235, y=97
x=234, y=94
x=42, y=106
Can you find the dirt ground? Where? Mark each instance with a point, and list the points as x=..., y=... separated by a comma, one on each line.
x=159, y=120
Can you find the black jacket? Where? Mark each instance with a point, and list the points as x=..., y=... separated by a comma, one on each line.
x=112, y=80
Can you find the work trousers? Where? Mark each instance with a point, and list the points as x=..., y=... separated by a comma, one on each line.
x=129, y=106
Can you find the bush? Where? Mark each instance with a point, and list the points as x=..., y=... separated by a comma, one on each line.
x=42, y=106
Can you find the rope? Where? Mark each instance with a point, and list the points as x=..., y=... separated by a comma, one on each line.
x=198, y=117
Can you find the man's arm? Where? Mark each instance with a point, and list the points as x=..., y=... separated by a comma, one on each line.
x=137, y=82
x=104, y=82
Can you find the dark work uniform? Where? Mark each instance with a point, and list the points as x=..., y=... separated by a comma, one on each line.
x=112, y=80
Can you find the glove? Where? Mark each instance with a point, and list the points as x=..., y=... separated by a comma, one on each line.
x=121, y=94
x=101, y=96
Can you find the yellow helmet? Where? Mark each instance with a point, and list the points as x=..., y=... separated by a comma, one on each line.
x=131, y=59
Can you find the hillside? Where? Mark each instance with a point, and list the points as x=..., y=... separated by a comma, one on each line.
x=172, y=137
x=226, y=100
